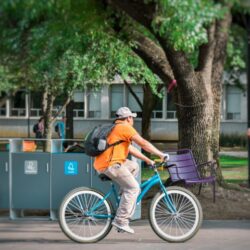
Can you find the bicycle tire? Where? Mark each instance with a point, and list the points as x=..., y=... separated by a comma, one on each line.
x=73, y=220
x=182, y=225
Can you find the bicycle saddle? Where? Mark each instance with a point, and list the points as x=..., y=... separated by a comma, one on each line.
x=104, y=177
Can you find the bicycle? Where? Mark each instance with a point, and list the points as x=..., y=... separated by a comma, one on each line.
x=175, y=214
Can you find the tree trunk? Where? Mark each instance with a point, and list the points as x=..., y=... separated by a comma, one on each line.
x=195, y=125
x=221, y=37
x=48, y=106
x=198, y=91
x=70, y=120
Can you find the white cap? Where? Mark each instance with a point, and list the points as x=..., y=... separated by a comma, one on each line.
x=124, y=112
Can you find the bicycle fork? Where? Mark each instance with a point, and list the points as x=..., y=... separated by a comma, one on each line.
x=167, y=198
x=169, y=201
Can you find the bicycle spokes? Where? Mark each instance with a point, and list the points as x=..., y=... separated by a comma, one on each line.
x=85, y=216
x=182, y=224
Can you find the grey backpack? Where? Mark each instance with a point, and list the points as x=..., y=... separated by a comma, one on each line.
x=96, y=140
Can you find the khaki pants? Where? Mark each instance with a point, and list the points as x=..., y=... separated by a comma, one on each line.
x=124, y=175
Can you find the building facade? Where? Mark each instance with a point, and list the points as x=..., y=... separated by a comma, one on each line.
x=91, y=108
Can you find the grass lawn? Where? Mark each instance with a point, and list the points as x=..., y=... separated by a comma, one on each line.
x=234, y=170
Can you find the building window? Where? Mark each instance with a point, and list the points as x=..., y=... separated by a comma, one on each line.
x=78, y=106
x=94, y=100
x=132, y=103
x=3, y=110
x=58, y=104
x=158, y=111
x=36, y=104
x=3, y=107
x=18, y=104
x=117, y=98
x=233, y=103
x=171, y=107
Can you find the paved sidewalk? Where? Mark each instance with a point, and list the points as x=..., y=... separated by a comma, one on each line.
x=40, y=235
x=235, y=153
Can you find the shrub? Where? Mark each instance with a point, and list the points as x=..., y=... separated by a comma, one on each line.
x=233, y=140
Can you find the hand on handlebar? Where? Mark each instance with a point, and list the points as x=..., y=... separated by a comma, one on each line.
x=165, y=157
x=152, y=163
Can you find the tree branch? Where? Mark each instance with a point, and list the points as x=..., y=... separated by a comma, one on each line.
x=221, y=37
x=182, y=69
x=59, y=112
x=137, y=9
x=153, y=56
x=206, y=53
x=133, y=94
x=144, y=14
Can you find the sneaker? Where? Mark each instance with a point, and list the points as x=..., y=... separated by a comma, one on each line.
x=126, y=228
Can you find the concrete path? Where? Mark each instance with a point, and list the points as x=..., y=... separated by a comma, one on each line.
x=40, y=235
x=235, y=153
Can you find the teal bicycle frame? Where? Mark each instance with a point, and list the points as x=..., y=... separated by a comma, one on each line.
x=145, y=187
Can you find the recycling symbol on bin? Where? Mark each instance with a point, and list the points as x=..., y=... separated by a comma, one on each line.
x=71, y=168
x=30, y=167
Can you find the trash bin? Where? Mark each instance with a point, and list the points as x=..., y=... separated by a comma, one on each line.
x=4, y=177
x=69, y=170
x=30, y=178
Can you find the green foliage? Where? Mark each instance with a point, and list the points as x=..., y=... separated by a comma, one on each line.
x=184, y=23
x=69, y=44
x=66, y=45
x=236, y=49
x=242, y=6
x=236, y=56
x=5, y=79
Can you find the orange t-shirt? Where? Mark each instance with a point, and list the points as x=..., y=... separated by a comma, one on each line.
x=116, y=154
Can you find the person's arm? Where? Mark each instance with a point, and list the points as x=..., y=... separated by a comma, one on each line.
x=147, y=146
x=135, y=152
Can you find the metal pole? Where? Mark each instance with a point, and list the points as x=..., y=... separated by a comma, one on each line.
x=248, y=92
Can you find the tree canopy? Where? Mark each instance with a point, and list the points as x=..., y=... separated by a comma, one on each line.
x=60, y=45
x=69, y=43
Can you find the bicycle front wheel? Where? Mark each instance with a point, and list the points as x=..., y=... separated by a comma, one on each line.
x=181, y=225
x=85, y=216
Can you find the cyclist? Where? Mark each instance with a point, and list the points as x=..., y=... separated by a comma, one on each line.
x=113, y=162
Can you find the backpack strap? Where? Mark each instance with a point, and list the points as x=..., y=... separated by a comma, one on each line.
x=118, y=142
x=114, y=144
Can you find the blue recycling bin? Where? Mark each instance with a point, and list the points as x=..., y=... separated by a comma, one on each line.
x=69, y=170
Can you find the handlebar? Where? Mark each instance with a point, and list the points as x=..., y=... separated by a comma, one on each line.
x=162, y=163
x=157, y=165
x=166, y=157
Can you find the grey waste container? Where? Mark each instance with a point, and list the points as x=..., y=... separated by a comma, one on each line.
x=69, y=171
x=30, y=180
x=4, y=176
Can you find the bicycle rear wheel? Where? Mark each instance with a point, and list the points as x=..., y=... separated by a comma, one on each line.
x=179, y=226
x=79, y=222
